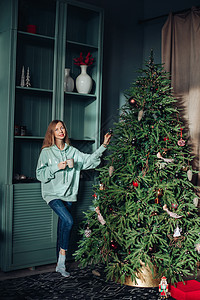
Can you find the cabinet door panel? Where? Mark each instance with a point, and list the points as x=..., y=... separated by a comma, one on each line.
x=33, y=226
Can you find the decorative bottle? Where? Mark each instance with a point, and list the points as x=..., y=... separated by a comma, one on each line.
x=68, y=81
x=84, y=81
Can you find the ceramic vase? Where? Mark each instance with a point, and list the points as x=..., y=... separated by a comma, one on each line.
x=83, y=81
x=68, y=81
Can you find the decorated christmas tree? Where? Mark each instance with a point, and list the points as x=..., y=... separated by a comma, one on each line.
x=145, y=205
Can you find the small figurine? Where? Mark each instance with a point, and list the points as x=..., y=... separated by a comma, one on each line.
x=177, y=231
x=163, y=288
x=100, y=217
x=172, y=214
x=22, y=83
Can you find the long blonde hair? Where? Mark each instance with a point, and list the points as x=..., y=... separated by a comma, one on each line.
x=49, y=139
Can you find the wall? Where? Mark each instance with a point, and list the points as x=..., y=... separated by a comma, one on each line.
x=127, y=44
x=123, y=44
x=152, y=29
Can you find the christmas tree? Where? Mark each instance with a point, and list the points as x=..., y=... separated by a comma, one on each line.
x=145, y=205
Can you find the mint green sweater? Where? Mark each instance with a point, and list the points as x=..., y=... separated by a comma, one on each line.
x=63, y=184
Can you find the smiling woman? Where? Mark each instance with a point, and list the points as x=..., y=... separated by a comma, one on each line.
x=58, y=169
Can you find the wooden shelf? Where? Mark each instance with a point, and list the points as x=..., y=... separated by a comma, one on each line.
x=81, y=45
x=80, y=95
x=28, y=137
x=35, y=35
x=31, y=89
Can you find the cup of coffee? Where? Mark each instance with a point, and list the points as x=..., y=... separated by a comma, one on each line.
x=70, y=162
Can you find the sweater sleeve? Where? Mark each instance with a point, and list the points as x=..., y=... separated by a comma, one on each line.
x=45, y=171
x=91, y=161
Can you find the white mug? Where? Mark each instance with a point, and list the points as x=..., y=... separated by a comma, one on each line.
x=70, y=162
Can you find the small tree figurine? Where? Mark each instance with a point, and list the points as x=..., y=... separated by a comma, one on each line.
x=28, y=83
x=22, y=83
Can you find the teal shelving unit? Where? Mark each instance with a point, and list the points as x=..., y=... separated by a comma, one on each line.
x=63, y=30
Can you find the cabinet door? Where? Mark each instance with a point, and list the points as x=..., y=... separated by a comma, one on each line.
x=82, y=111
x=35, y=63
x=34, y=228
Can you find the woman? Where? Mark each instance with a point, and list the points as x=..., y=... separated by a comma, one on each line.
x=58, y=169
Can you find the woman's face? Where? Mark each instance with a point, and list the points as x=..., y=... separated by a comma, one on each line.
x=59, y=131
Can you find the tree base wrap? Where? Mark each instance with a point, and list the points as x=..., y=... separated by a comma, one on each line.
x=145, y=278
x=188, y=291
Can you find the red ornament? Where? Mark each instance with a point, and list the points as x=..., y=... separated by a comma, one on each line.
x=174, y=205
x=181, y=142
x=135, y=183
x=95, y=196
x=166, y=139
x=113, y=245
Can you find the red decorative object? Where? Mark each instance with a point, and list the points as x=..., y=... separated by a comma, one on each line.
x=31, y=28
x=163, y=288
x=189, y=290
x=135, y=183
x=81, y=61
x=166, y=139
x=113, y=245
x=174, y=205
x=95, y=196
x=181, y=142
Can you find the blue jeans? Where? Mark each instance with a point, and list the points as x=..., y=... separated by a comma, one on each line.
x=65, y=222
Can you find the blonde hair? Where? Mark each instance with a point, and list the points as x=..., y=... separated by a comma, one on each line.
x=49, y=139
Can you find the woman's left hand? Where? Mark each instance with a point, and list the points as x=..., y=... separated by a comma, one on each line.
x=107, y=138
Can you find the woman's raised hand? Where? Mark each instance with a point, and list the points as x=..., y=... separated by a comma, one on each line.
x=107, y=138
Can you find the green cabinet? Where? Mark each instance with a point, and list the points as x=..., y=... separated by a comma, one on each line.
x=39, y=39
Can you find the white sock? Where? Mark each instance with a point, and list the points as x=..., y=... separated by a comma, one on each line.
x=61, y=266
x=61, y=261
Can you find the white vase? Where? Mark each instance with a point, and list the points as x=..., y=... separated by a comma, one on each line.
x=84, y=81
x=68, y=81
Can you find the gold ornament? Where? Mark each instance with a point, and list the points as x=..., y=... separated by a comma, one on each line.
x=196, y=201
x=111, y=170
x=140, y=115
x=189, y=175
